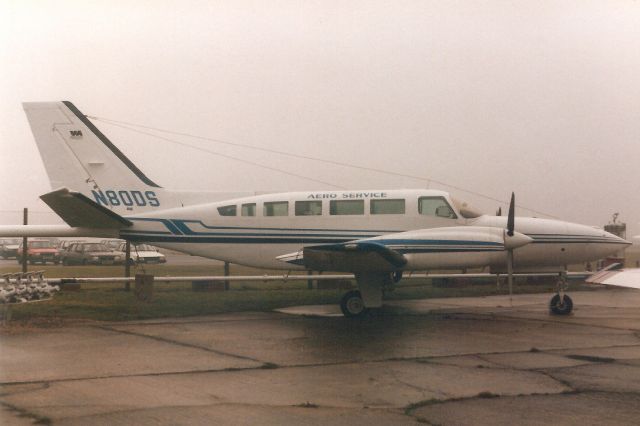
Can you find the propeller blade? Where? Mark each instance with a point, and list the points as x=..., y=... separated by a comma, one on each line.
x=510, y=274
x=510, y=232
x=511, y=217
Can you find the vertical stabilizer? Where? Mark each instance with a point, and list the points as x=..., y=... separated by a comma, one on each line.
x=79, y=157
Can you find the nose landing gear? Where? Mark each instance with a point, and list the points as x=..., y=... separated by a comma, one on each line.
x=561, y=304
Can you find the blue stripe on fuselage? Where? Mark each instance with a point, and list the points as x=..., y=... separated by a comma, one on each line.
x=256, y=235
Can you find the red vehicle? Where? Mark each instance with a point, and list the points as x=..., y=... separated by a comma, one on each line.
x=40, y=251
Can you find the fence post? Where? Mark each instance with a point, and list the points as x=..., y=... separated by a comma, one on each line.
x=25, y=249
x=144, y=287
x=127, y=265
x=309, y=280
x=226, y=274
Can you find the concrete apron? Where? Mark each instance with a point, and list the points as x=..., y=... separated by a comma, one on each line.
x=444, y=361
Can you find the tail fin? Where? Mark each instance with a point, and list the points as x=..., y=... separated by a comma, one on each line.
x=78, y=156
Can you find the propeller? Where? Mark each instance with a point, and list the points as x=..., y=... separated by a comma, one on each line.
x=510, y=233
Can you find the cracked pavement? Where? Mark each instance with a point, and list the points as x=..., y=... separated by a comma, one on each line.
x=437, y=361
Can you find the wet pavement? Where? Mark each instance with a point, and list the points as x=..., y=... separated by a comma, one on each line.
x=438, y=361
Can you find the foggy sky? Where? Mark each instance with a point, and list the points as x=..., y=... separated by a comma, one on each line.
x=541, y=98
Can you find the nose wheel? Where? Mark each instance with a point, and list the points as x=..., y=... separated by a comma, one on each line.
x=352, y=304
x=561, y=304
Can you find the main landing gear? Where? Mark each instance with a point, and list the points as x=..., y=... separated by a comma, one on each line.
x=352, y=304
x=371, y=286
x=561, y=304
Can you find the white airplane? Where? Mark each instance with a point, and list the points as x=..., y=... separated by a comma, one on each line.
x=375, y=234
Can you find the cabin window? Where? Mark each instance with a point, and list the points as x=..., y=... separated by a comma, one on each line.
x=346, y=207
x=387, y=207
x=276, y=208
x=227, y=210
x=435, y=206
x=308, y=208
x=249, y=209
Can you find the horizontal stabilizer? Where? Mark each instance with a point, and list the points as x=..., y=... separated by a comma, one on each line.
x=79, y=211
x=356, y=256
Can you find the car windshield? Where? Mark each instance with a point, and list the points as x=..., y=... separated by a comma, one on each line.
x=40, y=244
x=145, y=247
x=95, y=247
x=10, y=242
x=112, y=243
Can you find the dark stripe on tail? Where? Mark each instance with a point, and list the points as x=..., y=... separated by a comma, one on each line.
x=110, y=145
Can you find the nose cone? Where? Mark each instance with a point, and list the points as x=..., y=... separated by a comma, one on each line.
x=600, y=243
x=613, y=239
x=597, y=235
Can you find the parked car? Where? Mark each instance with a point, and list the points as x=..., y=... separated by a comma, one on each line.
x=64, y=245
x=9, y=247
x=39, y=251
x=113, y=244
x=144, y=253
x=92, y=254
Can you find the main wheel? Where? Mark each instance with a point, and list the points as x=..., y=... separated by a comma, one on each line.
x=352, y=304
x=561, y=307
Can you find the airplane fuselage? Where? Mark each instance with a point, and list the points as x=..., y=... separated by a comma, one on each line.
x=255, y=230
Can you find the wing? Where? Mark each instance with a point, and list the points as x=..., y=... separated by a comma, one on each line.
x=451, y=247
x=620, y=278
x=356, y=256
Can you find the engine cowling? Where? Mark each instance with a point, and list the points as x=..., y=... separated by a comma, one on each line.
x=453, y=247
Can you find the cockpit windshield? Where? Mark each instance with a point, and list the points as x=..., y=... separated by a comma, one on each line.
x=466, y=211
x=435, y=206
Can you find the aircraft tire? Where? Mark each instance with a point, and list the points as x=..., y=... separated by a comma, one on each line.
x=561, y=308
x=352, y=305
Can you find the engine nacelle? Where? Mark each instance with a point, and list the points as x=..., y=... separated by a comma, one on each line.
x=453, y=247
